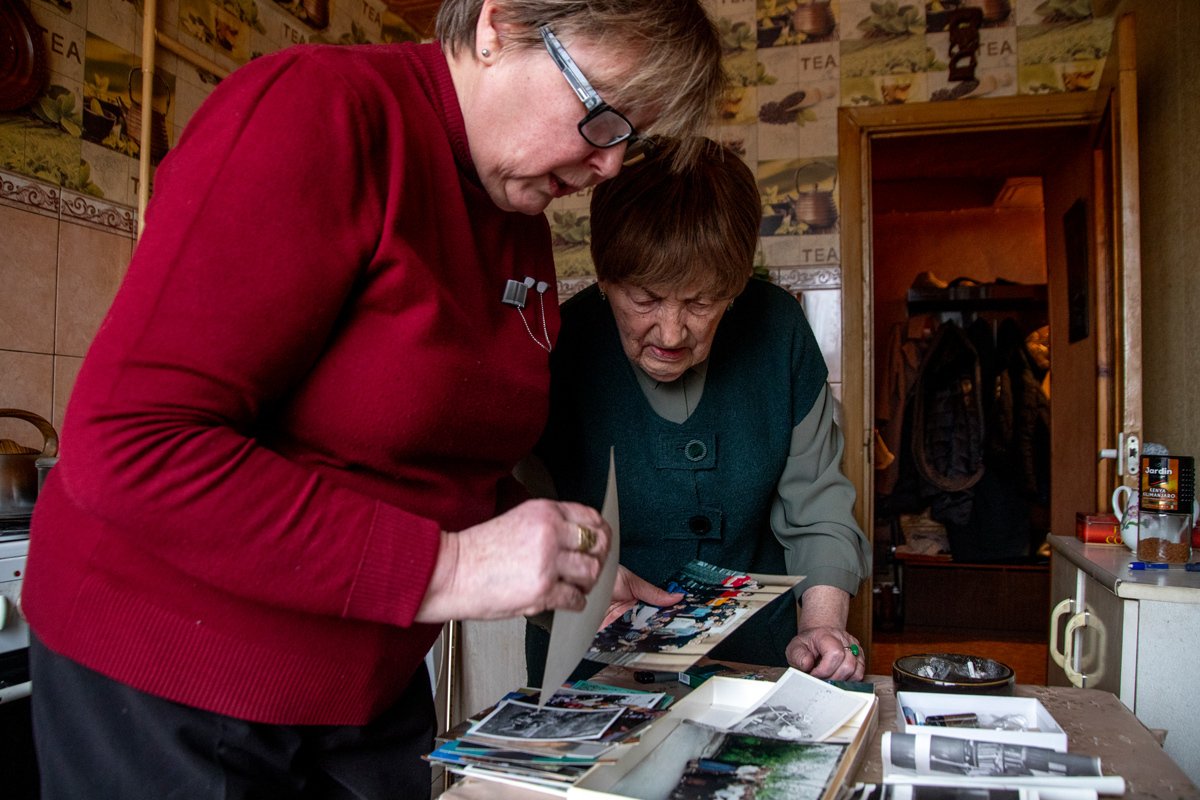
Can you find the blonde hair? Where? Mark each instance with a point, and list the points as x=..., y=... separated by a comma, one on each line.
x=673, y=42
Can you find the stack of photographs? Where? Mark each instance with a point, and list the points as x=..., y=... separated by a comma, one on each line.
x=551, y=746
x=798, y=739
x=716, y=601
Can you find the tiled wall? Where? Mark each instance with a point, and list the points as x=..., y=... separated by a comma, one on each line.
x=68, y=176
x=65, y=254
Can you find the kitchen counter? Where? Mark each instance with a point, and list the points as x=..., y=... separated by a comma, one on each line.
x=1108, y=564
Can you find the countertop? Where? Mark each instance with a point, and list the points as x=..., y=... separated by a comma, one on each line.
x=1108, y=564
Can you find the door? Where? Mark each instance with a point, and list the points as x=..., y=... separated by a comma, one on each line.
x=1118, y=237
x=1113, y=273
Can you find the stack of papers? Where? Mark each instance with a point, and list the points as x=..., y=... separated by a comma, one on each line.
x=551, y=746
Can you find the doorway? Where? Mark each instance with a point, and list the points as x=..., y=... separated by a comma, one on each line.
x=909, y=167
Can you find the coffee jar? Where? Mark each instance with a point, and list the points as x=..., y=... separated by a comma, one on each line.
x=1166, y=502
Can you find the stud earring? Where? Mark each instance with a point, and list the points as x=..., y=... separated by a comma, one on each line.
x=485, y=53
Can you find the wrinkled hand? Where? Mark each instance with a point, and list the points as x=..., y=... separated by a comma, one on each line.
x=824, y=652
x=522, y=562
x=629, y=589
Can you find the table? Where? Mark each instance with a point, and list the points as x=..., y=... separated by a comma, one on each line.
x=1095, y=721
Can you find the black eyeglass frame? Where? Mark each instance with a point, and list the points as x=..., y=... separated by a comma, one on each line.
x=587, y=95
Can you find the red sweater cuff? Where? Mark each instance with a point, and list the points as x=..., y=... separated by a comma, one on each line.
x=396, y=567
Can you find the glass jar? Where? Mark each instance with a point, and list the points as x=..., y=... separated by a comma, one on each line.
x=1165, y=507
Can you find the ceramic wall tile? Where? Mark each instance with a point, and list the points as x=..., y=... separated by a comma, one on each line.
x=66, y=369
x=571, y=235
x=823, y=307
x=110, y=173
x=1051, y=12
x=168, y=18
x=75, y=11
x=91, y=211
x=28, y=386
x=26, y=194
x=91, y=263
x=27, y=273
x=64, y=40
x=117, y=21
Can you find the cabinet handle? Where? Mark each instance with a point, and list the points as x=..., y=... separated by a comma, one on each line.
x=1062, y=609
x=1080, y=620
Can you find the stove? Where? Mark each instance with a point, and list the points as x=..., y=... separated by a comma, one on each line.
x=14, y=632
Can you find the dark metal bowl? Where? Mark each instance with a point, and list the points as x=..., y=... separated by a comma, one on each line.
x=951, y=672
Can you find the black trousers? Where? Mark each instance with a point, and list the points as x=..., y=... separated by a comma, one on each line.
x=100, y=739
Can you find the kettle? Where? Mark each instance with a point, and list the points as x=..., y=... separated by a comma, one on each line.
x=18, y=465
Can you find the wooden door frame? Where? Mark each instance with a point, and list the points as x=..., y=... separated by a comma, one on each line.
x=857, y=127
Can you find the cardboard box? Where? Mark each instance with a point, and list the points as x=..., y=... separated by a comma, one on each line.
x=1097, y=528
x=1042, y=729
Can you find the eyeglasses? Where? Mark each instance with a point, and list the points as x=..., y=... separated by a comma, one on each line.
x=603, y=126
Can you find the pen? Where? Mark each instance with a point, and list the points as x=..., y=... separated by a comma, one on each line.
x=1193, y=566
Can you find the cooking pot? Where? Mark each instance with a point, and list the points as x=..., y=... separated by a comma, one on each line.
x=18, y=464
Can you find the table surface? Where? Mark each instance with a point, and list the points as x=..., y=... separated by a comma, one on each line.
x=1096, y=723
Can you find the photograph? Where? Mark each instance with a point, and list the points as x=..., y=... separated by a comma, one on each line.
x=513, y=720
x=975, y=758
x=801, y=708
x=754, y=768
x=715, y=602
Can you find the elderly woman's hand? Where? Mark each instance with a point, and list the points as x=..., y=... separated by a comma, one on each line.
x=822, y=647
x=522, y=562
x=827, y=652
x=629, y=590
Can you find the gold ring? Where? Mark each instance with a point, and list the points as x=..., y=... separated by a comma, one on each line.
x=587, y=539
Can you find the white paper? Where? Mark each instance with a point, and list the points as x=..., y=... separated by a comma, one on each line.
x=572, y=632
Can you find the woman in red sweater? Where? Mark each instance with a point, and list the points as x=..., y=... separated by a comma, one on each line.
x=286, y=459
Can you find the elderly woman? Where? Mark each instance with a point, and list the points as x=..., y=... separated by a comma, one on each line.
x=286, y=459
x=712, y=391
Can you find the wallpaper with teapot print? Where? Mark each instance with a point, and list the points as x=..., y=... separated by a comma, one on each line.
x=69, y=169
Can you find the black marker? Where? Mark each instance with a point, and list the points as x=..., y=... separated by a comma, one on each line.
x=647, y=676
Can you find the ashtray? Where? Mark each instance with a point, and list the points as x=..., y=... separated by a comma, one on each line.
x=951, y=672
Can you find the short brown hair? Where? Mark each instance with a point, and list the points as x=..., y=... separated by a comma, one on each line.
x=674, y=43
x=656, y=225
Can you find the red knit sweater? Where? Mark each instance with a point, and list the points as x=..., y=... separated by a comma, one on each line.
x=305, y=376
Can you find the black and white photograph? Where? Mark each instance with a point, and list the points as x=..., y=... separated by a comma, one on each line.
x=801, y=708
x=929, y=755
x=513, y=720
